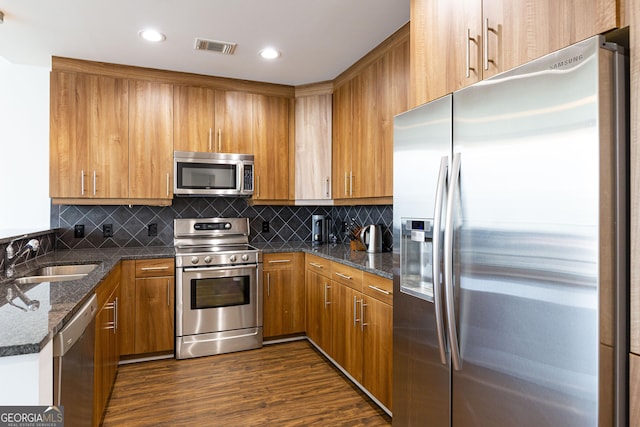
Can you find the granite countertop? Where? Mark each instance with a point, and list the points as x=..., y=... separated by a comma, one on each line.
x=25, y=332
x=380, y=263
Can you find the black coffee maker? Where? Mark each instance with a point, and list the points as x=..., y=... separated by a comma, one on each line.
x=319, y=229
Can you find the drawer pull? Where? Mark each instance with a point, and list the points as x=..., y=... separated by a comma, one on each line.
x=344, y=276
x=154, y=268
x=279, y=261
x=316, y=265
x=375, y=288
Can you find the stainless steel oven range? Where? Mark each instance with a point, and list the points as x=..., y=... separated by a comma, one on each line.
x=218, y=287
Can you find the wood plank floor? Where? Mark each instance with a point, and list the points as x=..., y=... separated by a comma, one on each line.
x=288, y=384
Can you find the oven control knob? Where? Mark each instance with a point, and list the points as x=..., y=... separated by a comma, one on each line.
x=194, y=260
x=207, y=259
x=232, y=258
x=245, y=257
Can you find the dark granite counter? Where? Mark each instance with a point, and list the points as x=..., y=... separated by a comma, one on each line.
x=380, y=264
x=24, y=332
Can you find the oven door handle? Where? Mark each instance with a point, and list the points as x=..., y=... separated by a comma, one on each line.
x=225, y=267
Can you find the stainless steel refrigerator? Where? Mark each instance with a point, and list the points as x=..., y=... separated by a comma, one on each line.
x=510, y=249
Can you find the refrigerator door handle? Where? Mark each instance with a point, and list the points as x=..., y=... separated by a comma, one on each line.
x=456, y=361
x=436, y=245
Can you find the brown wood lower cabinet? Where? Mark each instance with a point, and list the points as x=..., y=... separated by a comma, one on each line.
x=106, y=350
x=319, y=302
x=283, y=294
x=148, y=306
x=350, y=317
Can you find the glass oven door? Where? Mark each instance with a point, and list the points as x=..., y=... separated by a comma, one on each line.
x=215, y=299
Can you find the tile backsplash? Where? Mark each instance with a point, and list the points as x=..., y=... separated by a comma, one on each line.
x=131, y=225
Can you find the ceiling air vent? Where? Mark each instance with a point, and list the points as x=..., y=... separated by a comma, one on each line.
x=215, y=46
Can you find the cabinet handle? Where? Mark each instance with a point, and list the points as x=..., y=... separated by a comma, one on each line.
x=82, y=182
x=94, y=182
x=351, y=184
x=355, y=309
x=268, y=284
x=344, y=276
x=326, y=303
x=485, y=43
x=219, y=140
x=167, y=184
x=469, y=40
x=210, y=139
x=316, y=265
x=362, y=322
x=328, y=188
x=115, y=316
x=164, y=267
x=279, y=261
x=168, y=292
x=375, y=288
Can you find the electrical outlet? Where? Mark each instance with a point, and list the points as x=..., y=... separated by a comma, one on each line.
x=107, y=230
x=78, y=231
x=152, y=229
x=265, y=226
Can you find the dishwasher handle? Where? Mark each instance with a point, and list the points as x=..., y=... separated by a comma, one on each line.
x=73, y=331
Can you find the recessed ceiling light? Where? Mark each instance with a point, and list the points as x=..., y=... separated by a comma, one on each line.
x=269, y=53
x=152, y=35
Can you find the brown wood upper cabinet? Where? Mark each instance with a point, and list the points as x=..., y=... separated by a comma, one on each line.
x=366, y=98
x=313, y=143
x=455, y=43
x=89, y=136
x=150, y=140
x=271, y=147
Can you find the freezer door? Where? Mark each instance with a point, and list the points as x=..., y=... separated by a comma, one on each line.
x=527, y=265
x=421, y=374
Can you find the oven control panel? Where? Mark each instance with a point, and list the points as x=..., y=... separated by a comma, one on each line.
x=218, y=259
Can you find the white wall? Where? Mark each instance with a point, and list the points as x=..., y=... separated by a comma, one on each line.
x=24, y=148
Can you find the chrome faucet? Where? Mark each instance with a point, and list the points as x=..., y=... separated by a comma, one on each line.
x=32, y=304
x=32, y=246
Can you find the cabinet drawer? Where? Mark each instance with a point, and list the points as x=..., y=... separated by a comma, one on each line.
x=320, y=265
x=378, y=287
x=278, y=261
x=346, y=275
x=108, y=285
x=154, y=267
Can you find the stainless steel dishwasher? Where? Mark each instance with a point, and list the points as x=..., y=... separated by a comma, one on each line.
x=73, y=349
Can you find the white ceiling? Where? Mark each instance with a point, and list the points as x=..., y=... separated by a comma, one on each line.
x=318, y=38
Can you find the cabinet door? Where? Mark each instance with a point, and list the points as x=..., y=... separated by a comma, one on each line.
x=193, y=120
x=365, y=139
x=313, y=147
x=392, y=93
x=154, y=315
x=445, y=47
x=234, y=121
x=519, y=31
x=319, y=308
x=284, y=294
x=150, y=140
x=88, y=136
x=342, y=134
x=106, y=355
x=347, y=329
x=271, y=147
x=377, y=320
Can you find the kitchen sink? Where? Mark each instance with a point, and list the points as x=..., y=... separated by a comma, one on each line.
x=57, y=273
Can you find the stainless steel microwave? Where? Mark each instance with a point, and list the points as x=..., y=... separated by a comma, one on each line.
x=212, y=174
